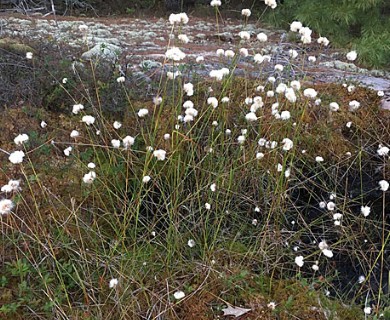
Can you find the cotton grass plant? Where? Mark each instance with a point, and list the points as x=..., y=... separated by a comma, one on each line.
x=180, y=197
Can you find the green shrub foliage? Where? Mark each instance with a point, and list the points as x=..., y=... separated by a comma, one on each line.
x=359, y=24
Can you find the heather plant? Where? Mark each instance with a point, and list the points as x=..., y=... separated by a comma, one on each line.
x=264, y=194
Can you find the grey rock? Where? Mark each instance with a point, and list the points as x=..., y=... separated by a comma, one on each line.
x=103, y=51
x=150, y=64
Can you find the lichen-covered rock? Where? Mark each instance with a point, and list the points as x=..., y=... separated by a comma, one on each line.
x=103, y=51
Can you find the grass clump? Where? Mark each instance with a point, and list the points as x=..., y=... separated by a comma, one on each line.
x=226, y=191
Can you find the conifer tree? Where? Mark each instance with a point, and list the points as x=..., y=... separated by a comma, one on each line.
x=363, y=25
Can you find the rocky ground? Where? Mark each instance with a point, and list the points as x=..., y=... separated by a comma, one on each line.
x=144, y=41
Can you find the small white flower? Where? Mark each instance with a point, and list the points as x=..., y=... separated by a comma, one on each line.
x=244, y=52
x=319, y=159
x=43, y=124
x=67, y=151
x=361, y=279
x=89, y=177
x=323, y=40
x=183, y=38
x=334, y=106
x=299, y=261
x=207, y=206
x=293, y=53
x=220, y=52
x=353, y=105
x=142, y=113
x=295, y=26
x=317, y=102
x=251, y=116
x=254, y=222
x=262, y=142
x=384, y=185
x=229, y=53
x=212, y=101
x=6, y=206
x=113, y=283
x=16, y=157
x=191, y=243
x=296, y=85
x=29, y=55
x=315, y=267
x=178, y=18
x=331, y=205
x=179, y=294
x=365, y=210
x=167, y=136
x=88, y=120
x=213, y=187
x=327, y=253
x=272, y=79
x=312, y=59
x=173, y=75
x=20, y=139
x=117, y=125
x=160, y=154
x=305, y=35
x=351, y=56
x=246, y=12
x=157, y=100
x=188, y=89
x=128, y=141
x=383, y=151
x=337, y=216
x=188, y=104
x=241, y=139
x=287, y=144
x=258, y=58
x=146, y=179
x=225, y=100
x=91, y=165
x=175, y=54
x=262, y=37
x=64, y=80
x=244, y=35
x=121, y=79
x=115, y=143
x=278, y=67
x=271, y=305
x=322, y=204
x=259, y=155
x=310, y=93
x=12, y=186
x=271, y=3
x=380, y=93
x=367, y=310
x=349, y=124
x=285, y=115
x=270, y=94
x=77, y=108
x=199, y=59
x=215, y=3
